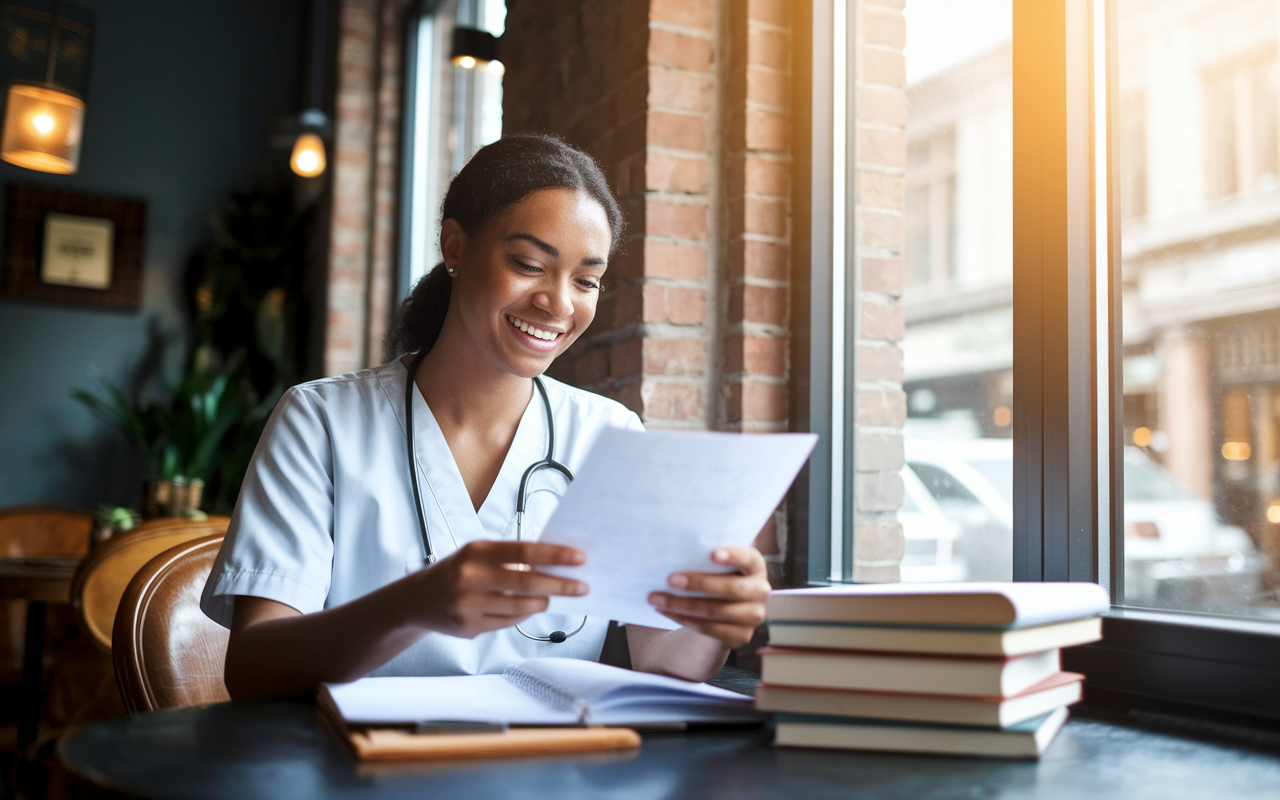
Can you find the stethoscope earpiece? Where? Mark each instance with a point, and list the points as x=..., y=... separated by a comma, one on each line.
x=429, y=558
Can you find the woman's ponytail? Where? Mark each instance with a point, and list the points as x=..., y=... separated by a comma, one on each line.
x=421, y=314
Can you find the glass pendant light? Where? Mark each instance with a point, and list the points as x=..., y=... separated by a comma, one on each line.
x=308, y=158
x=43, y=122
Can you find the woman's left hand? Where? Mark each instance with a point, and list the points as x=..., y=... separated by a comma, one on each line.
x=737, y=608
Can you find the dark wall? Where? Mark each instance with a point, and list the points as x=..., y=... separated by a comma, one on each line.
x=180, y=100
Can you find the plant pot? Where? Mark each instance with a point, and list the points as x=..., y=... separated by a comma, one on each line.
x=172, y=497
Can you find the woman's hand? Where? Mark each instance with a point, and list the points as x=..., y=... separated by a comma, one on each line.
x=736, y=610
x=487, y=585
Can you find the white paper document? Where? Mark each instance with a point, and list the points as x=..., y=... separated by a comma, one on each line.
x=645, y=505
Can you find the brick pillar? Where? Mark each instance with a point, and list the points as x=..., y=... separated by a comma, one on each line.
x=881, y=157
x=759, y=216
x=1186, y=409
x=364, y=168
x=349, y=164
x=679, y=293
x=757, y=129
x=385, y=184
x=581, y=70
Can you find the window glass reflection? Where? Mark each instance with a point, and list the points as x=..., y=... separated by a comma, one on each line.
x=958, y=266
x=1200, y=240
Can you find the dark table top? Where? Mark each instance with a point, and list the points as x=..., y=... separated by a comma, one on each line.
x=41, y=579
x=279, y=750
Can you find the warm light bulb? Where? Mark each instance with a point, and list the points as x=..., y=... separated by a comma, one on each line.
x=42, y=129
x=308, y=159
x=466, y=62
x=1237, y=451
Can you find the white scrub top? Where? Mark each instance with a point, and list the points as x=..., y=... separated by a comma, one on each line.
x=326, y=513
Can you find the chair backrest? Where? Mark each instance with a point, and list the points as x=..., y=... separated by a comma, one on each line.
x=101, y=580
x=44, y=532
x=167, y=653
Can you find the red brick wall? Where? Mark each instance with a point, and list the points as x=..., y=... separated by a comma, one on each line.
x=758, y=213
x=364, y=168
x=349, y=164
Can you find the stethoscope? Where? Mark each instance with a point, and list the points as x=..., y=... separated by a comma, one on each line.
x=549, y=462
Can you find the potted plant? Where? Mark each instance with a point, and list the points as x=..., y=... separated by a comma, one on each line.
x=182, y=440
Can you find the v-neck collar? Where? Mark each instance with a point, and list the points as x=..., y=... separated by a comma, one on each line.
x=443, y=485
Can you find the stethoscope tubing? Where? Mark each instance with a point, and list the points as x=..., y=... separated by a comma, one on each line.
x=548, y=462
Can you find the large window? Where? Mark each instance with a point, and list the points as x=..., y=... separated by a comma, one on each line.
x=451, y=112
x=1091, y=260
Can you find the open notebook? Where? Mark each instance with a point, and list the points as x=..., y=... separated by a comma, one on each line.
x=538, y=691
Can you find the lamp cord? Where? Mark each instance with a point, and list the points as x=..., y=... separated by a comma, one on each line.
x=319, y=38
x=53, y=38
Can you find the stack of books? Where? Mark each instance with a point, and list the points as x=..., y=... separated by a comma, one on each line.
x=959, y=668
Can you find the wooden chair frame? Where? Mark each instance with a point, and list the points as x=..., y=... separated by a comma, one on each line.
x=174, y=528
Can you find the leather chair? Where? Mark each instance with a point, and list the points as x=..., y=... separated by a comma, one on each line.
x=101, y=580
x=167, y=653
x=44, y=532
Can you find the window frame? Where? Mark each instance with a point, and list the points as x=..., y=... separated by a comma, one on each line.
x=1223, y=663
x=423, y=125
x=415, y=235
x=1068, y=425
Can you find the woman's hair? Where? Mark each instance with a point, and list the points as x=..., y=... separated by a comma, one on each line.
x=497, y=177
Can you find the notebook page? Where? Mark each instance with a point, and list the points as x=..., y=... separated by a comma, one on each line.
x=615, y=696
x=479, y=698
x=645, y=505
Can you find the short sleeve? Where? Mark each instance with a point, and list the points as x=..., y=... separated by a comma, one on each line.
x=625, y=419
x=280, y=541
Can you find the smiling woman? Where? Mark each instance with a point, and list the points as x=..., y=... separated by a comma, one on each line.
x=337, y=537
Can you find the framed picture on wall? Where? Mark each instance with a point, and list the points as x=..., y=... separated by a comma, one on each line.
x=77, y=251
x=62, y=247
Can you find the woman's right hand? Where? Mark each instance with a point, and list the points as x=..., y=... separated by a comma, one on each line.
x=488, y=585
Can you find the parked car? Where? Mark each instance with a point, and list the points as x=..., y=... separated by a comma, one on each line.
x=930, y=554
x=1178, y=553
x=969, y=500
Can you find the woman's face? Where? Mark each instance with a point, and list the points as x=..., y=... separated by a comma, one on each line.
x=526, y=284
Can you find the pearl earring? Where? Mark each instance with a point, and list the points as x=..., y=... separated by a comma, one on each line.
x=452, y=270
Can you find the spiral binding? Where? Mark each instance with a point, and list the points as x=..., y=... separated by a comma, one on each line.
x=556, y=697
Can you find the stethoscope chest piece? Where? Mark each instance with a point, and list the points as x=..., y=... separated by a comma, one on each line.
x=522, y=498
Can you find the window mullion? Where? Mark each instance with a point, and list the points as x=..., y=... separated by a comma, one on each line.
x=1054, y=455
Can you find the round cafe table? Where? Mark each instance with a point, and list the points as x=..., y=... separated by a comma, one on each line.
x=280, y=749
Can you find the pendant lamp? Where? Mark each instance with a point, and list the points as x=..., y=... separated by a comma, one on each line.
x=43, y=122
x=308, y=157
x=473, y=47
